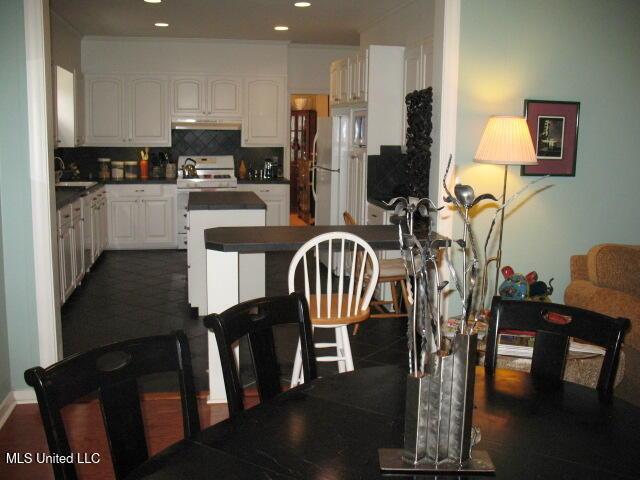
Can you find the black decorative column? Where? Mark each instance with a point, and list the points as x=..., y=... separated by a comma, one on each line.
x=419, y=126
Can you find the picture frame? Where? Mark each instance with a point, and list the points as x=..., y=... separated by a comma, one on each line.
x=554, y=129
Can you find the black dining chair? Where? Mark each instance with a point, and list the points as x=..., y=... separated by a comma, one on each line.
x=256, y=319
x=553, y=325
x=113, y=371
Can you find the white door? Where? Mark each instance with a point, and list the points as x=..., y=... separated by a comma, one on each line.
x=264, y=113
x=78, y=248
x=148, y=111
x=66, y=261
x=158, y=223
x=188, y=96
x=123, y=221
x=104, y=100
x=65, y=108
x=225, y=97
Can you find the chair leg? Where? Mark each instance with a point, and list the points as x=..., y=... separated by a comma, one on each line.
x=296, y=375
x=356, y=328
x=342, y=365
x=346, y=345
x=394, y=297
x=405, y=296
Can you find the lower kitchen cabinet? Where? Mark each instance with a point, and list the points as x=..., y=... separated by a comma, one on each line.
x=141, y=216
x=66, y=263
x=276, y=196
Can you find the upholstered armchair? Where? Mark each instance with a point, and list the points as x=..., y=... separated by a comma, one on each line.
x=607, y=280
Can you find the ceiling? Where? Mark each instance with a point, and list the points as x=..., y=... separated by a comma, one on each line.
x=332, y=22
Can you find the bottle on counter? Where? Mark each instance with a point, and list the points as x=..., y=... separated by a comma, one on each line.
x=104, y=174
x=117, y=170
x=144, y=164
x=131, y=170
x=242, y=170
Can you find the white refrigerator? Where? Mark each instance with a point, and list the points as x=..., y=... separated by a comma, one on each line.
x=330, y=153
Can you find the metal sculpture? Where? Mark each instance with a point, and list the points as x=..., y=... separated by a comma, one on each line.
x=438, y=433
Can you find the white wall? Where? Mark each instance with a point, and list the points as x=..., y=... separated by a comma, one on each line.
x=65, y=44
x=308, y=66
x=406, y=26
x=127, y=54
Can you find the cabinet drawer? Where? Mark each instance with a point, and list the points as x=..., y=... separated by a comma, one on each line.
x=135, y=190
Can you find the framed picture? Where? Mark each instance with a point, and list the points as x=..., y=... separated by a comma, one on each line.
x=554, y=130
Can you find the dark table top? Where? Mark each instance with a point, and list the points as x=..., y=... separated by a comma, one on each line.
x=333, y=427
x=225, y=201
x=278, y=239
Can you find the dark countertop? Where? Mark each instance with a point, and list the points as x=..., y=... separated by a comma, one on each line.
x=225, y=201
x=67, y=195
x=138, y=181
x=280, y=239
x=275, y=181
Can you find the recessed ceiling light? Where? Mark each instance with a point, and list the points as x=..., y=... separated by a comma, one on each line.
x=161, y=24
x=281, y=28
x=153, y=1
x=302, y=4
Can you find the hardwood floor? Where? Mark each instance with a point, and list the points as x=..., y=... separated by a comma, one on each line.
x=23, y=432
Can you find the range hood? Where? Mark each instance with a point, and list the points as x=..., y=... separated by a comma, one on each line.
x=195, y=124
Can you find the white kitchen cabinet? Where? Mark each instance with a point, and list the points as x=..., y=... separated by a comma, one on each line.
x=276, y=197
x=78, y=243
x=103, y=238
x=418, y=73
x=339, y=82
x=105, y=110
x=188, y=96
x=65, y=105
x=265, y=117
x=148, y=119
x=126, y=110
x=358, y=74
x=65, y=252
x=141, y=216
x=224, y=97
x=79, y=109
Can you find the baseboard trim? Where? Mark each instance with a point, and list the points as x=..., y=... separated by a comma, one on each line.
x=28, y=395
x=6, y=407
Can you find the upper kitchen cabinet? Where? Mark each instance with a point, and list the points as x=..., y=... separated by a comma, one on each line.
x=141, y=120
x=69, y=130
x=205, y=97
x=104, y=103
x=358, y=76
x=188, y=96
x=264, y=119
x=225, y=97
x=339, y=82
x=148, y=119
x=418, y=71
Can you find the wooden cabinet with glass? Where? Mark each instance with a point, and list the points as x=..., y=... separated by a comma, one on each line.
x=303, y=131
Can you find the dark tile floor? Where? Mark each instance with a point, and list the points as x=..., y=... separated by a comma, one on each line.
x=131, y=294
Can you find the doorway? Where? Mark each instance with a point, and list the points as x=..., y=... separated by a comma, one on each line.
x=305, y=110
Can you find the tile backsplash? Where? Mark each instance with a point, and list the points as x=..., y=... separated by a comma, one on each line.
x=387, y=175
x=183, y=142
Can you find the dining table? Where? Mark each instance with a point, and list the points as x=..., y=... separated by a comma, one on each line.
x=332, y=428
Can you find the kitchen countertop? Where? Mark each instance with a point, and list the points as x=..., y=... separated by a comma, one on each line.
x=225, y=201
x=138, y=181
x=281, y=239
x=67, y=195
x=379, y=203
x=275, y=181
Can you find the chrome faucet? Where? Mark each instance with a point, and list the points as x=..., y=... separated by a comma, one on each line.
x=58, y=172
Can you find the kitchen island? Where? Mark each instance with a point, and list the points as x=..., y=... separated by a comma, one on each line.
x=228, y=283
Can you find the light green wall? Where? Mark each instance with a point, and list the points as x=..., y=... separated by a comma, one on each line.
x=5, y=372
x=574, y=50
x=15, y=196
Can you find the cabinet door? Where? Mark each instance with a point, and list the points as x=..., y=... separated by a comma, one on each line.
x=354, y=78
x=95, y=231
x=104, y=100
x=148, y=111
x=343, y=72
x=104, y=225
x=123, y=222
x=225, y=97
x=158, y=221
x=188, y=96
x=66, y=262
x=363, y=69
x=264, y=119
x=334, y=84
x=78, y=250
x=79, y=108
x=65, y=105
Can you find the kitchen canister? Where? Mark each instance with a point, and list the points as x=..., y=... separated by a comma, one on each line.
x=131, y=170
x=104, y=173
x=117, y=170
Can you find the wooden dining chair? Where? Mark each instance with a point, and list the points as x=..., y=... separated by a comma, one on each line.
x=255, y=319
x=113, y=372
x=347, y=304
x=392, y=271
x=554, y=324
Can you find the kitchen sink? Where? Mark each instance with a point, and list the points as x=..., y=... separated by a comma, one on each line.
x=76, y=184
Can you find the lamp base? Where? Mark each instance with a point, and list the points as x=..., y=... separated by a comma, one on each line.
x=392, y=461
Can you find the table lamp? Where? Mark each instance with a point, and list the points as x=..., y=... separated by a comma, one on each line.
x=505, y=141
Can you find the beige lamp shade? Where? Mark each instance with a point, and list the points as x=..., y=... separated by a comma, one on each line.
x=506, y=141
